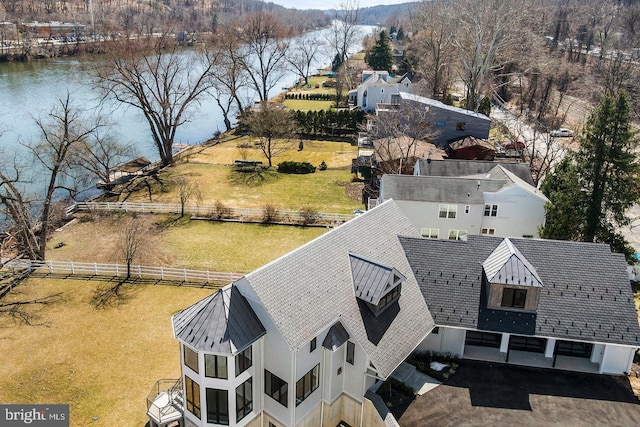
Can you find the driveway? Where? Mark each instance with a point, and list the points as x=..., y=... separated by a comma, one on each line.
x=486, y=394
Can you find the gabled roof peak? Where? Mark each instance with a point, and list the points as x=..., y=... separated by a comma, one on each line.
x=508, y=266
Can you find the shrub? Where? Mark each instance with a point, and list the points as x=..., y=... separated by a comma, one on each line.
x=308, y=216
x=270, y=214
x=296, y=167
x=221, y=211
x=322, y=166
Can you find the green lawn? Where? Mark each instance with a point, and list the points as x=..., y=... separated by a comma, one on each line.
x=305, y=105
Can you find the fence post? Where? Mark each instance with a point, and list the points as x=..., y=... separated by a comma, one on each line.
x=50, y=266
x=139, y=272
x=73, y=270
x=184, y=274
x=161, y=273
x=95, y=269
x=117, y=272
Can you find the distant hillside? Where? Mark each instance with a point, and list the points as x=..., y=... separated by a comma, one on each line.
x=383, y=14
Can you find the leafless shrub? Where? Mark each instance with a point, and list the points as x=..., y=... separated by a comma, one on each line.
x=270, y=214
x=221, y=211
x=309, y=216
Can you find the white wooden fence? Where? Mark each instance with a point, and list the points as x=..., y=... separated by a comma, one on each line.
x=240, y=214
x=120, y=270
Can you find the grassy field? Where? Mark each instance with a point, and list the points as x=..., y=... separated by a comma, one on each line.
x=210, y=167
x=103, y=363
x=305, y=105
x=201, y=245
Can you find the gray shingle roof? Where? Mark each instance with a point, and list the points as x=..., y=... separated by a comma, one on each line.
x=372, y=280
x=507, y=265
x=586, y=295
x=311, y=287
x=223, y=322
x=434, y=103
x=438, y=188
x=450, y=167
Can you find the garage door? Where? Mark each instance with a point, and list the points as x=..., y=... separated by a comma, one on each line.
x=483, y=339
x=534, y=345
x=574, y=349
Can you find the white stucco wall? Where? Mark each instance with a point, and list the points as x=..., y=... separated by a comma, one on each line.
x=447, y=340
x=520, y=213
x=616, y=359
x=426, y=215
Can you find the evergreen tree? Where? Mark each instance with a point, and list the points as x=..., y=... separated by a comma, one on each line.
x=599, y=182
x=379, y=57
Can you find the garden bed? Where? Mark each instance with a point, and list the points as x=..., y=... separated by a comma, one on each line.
x=430, y=363
x=396, y=395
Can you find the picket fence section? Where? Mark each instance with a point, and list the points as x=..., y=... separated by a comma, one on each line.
x=241, y=214
x=120, y=270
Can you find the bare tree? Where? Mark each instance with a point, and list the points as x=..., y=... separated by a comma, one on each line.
x=187, y=190
x=344, y=32
x=263, y=47
x=130, y=240
x=485, y=28
x=276, y=128
x=156, y=78
x=399, y=134
x=229, y=78
x=304, y=50
x=64, y=129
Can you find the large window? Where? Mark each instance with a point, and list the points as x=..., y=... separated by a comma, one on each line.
x=447, y=211
x=513, y=297
x=430, y=233
x=217, y=406
x=192, y=390
x=490, y=210
x=307, y=384
x=351, y=351
x=190, y=358
x=244, y=399
x=312, y=345
x=276, y=388
x=243, y=361
x=488, y=231
x=215, y=366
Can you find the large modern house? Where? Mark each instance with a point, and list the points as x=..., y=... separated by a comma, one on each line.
x=300, y=341
x=495, y=203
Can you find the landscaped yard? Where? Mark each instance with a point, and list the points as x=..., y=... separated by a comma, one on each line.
x=103, y=363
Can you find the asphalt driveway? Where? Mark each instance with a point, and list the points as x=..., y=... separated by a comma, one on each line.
x=489, y=394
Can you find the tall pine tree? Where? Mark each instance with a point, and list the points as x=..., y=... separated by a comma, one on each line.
x=379, y=57
x=596, y=185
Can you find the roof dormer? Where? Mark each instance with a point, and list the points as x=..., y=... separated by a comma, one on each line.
x=512, y=281
x=376, y=284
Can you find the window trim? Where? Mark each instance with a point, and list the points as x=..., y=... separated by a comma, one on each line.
x=458, y=234
x=192, y=396
x=491, y=210
x=488, y=231
x=279, y=388
x=450, y=211
x=216, y=367
x=247, y=404
x=510, y=301
x=218, y=417
x=313, y=344
x=241, y=360
x=429, y=234
x=187, y=360
x=306, y=385
x=350, y=356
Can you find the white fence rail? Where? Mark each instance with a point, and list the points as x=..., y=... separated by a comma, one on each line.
x=120, y=270
x=241, y=214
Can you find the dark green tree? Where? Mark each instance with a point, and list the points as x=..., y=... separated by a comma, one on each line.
x=485, y=106
x=379, y=57
x=600, y=182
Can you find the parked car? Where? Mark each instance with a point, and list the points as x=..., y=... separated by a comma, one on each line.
x=513, y=145
x=562, y=133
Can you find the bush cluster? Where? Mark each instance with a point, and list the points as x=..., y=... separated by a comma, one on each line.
x=296, y=167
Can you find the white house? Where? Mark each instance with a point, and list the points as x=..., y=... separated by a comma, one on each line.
x=495, y=203
x=300, y=341
x=377, y=87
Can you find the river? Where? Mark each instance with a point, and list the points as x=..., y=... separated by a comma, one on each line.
x=29, y=90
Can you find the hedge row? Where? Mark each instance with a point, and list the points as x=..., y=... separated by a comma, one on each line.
x=329, y=122
x=311, y=96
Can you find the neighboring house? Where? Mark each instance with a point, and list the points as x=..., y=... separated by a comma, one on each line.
x=300, y=341
x=471, y=148
x=379, y=87
x=496, y=203
x=450, y=167
x=545, y=303
x=448, y=123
